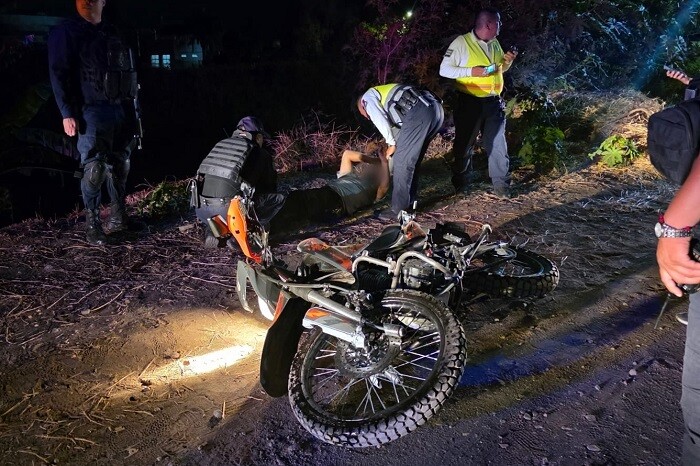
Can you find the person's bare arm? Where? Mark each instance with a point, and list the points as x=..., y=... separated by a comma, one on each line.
x=347, y=159
x=679, y=75
x=672, y=254
x=384, y=177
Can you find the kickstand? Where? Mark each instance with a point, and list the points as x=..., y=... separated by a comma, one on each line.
x=663, y=308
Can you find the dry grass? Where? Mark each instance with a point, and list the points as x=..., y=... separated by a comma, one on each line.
x=316, y=144
x=603, y=114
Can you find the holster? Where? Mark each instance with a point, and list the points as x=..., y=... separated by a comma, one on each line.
x=194, y=193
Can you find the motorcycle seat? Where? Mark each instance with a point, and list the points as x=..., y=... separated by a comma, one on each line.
x=389, y=238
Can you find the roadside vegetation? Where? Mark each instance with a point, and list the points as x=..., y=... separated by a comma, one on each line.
x=588, y=76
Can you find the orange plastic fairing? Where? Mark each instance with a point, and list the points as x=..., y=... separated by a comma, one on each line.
x=238, y=226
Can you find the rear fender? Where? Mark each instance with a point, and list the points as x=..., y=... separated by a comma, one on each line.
x=280, y=345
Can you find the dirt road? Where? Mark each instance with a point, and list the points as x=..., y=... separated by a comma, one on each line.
x=138, y=354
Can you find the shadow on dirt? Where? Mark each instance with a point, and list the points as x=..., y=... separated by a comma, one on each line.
x=565, y=346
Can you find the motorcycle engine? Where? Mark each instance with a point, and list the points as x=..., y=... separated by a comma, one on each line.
x=418, y=275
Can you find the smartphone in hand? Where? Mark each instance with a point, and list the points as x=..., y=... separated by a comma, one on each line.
x=668, y=68
x=490, y=69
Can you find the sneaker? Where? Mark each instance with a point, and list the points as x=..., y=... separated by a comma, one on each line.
x=502, y=192
x=386, y=215
x=211, y=242
x=682, y=317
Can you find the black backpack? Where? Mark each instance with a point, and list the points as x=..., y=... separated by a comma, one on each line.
x=673, y=139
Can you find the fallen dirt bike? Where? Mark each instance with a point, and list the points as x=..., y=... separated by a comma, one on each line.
x=383, y=350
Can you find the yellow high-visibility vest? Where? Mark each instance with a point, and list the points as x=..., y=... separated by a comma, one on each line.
x=385, y=90
x=482, y=86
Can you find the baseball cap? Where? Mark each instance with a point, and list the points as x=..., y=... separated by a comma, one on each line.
x=252, y=124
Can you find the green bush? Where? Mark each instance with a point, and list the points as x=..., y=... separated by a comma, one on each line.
x=543, y=147
x=616, y=151
x=166, y=199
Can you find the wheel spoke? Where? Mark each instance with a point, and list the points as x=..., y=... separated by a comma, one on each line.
x=330, y=353
x=367, y=399
x=323, y=382
x=412, y=363
x=414, y=377
x=331, y=398
x=379, y=398
x=413, y=348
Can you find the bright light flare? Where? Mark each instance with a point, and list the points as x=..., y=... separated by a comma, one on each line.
x=198, y=365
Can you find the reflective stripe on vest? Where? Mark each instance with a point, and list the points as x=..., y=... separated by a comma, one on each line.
x=385, y=91
x=482, y=86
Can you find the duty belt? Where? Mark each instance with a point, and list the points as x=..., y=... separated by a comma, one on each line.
x=404, y=99
x=410, y=97
x=214, y=201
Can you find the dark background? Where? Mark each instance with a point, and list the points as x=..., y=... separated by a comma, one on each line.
x=281, y=61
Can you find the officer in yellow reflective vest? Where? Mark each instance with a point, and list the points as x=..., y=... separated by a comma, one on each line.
x=408, y=118
x=477, y=62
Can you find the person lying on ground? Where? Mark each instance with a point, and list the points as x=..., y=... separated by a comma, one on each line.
x=361, y=181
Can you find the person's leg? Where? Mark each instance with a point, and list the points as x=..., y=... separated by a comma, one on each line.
x=690, y=397
x=302, y=206
x=436, y=115
x=467, y=118
x=119, y=164
x=409, y=152
x=494, y=139
x=94, y=143
x=204, y=213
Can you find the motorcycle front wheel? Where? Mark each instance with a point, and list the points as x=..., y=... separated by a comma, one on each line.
x=362, y=397
x=524, y=274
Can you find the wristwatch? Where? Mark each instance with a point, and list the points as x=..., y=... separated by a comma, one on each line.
x=663, y=230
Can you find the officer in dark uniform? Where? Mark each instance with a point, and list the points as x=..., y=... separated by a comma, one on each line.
x=92, y=75
x=408, y=118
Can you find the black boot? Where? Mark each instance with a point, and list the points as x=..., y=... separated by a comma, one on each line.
x=118, y=221
x=93, y=230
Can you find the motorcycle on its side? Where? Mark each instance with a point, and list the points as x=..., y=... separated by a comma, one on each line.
x=363, y=339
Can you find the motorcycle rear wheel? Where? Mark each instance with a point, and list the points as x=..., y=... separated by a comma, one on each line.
x=526, y=275
x=355, y=398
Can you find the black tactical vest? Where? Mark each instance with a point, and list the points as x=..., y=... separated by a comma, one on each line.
x=120, y=77
x=107, y=65
x=220, y=170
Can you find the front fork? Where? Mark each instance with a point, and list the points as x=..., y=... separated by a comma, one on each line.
x=328, y=315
